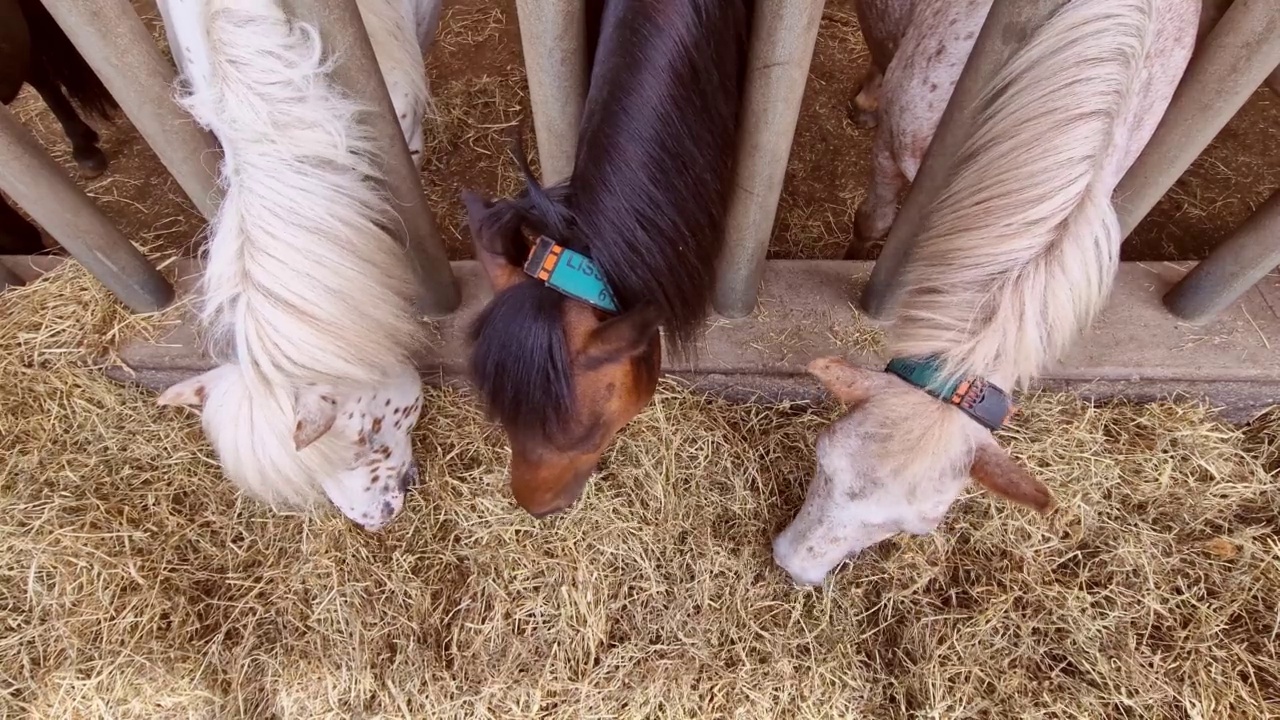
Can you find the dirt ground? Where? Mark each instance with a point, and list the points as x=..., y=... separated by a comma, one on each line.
x=478, y=82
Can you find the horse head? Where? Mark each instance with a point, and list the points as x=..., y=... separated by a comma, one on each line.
x=895, y=463
x=561, y=376
x=352, y=443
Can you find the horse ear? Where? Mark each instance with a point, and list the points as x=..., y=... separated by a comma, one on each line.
x=624, y=336
x=850, y=384
x=314, y=411
x=994, y=470
x=502, y=273
x=191, y=392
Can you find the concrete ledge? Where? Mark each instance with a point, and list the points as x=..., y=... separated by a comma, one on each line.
x=1136, y=350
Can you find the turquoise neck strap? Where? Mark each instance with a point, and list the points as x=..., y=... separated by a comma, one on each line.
x=983, y=401
x=571, y=273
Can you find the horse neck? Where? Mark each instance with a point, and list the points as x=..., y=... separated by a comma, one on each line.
x=655, y=150
x=1019, y=250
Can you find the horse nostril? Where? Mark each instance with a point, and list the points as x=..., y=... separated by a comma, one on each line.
x=410, y=477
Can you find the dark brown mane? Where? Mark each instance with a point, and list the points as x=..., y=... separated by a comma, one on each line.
x=646, y=200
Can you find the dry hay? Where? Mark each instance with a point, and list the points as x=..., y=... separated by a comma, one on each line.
x=134, y=582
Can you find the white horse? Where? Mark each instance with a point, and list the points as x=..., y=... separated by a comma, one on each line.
x=1015, y=257
x=305, y=294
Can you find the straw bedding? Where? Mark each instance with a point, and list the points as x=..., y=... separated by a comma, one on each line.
x=134, y=582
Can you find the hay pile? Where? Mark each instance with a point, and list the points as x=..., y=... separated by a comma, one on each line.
x=134, y=582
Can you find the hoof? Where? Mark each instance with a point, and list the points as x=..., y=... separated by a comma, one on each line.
x=91, y=163
x=865, y=119
x=858, y=248
x=863, y=246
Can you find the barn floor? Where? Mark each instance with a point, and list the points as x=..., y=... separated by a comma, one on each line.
x=135, y=583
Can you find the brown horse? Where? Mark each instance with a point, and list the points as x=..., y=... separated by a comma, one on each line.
x=35, y=51
x=646, y=204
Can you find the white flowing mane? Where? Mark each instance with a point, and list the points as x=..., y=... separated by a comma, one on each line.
x=1019, y=251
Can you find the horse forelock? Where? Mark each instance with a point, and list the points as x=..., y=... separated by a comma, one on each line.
x=520, y=359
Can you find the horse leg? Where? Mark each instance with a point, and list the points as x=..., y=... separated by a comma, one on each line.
x=15, y=50
x=882, y=23
x=84, y=141
x=878, y=209
x=865, y=104
x=17, y=235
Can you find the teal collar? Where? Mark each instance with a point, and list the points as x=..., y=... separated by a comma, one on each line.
x=570, y=273
x=981, y=400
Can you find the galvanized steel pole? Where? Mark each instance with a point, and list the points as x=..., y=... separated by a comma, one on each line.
x=783, y=36
x=35, y=182
x=1210, y=13
x=1235, y=265
x=553, y=35
x=115, y=43
x=1008, y=25
x=356, y=72
x=1234, y=60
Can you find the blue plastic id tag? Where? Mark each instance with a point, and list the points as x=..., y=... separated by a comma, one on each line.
x=571, y=273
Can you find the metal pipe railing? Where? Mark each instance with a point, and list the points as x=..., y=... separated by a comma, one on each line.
x=553, y=35
x=1235, y=265
x=343, y=34
x=1236, y=57
x=784, y=33
x=1009, y=23
x=1211, y=12
x=40, y=186
x=115, y=43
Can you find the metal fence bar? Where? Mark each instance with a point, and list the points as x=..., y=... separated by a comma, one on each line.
x=40, y=186
x=1210, y=13
x=1235, y=265
x=1236, y=57
x=115, y=43
x=356, y=72
x=553, y=35
x=1009, y=23
x=783, y=36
